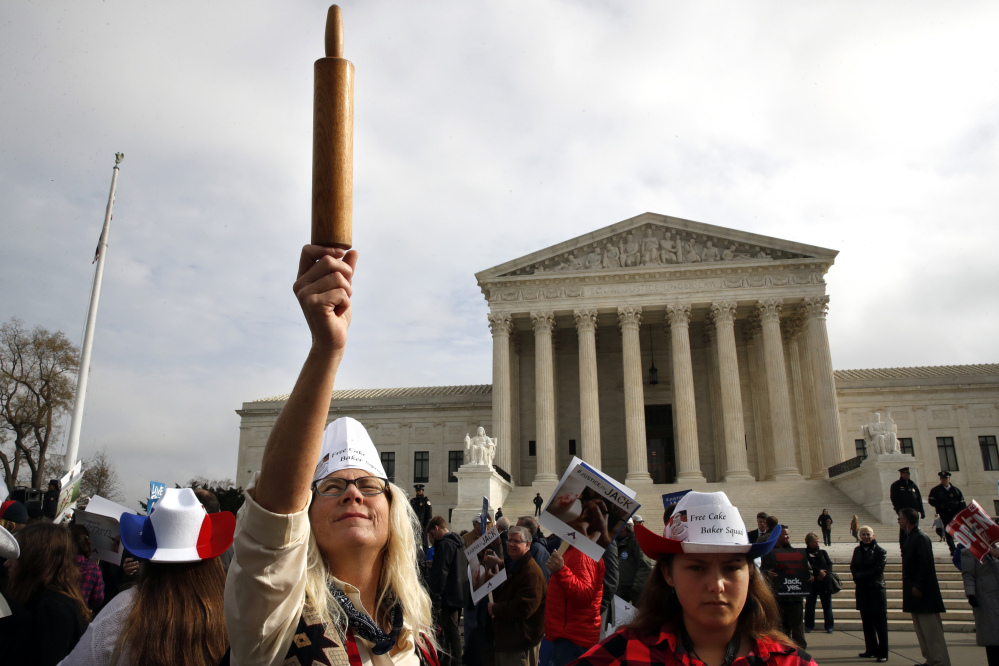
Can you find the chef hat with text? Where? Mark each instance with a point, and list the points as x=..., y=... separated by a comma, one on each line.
x=346, y=445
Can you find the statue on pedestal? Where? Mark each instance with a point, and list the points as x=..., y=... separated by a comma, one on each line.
x=881, y=437
x=480, y=450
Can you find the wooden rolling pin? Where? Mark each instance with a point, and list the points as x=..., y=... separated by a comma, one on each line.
x=333, y=141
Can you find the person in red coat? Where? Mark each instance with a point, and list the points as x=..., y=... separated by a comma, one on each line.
x=572, y=613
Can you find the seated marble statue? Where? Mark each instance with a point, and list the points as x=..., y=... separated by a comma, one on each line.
x=880, y=437
x=480, y=450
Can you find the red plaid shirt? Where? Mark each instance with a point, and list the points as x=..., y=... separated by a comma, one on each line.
x=626, y=647
x=91, y=582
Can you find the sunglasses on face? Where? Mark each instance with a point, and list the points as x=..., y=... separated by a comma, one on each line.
x=332, y=486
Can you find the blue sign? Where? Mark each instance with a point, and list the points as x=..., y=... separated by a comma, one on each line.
x=156, y=490
x=673, y=498
x=484, y=516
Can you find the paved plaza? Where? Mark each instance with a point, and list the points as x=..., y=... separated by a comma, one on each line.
x=843, y=647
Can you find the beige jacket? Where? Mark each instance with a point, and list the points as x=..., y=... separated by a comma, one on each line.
x=265, y=590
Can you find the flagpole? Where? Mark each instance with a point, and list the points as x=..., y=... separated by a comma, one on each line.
x=73, y=445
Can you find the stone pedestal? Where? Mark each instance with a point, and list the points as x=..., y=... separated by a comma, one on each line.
x=870, y=484
x=474, y=483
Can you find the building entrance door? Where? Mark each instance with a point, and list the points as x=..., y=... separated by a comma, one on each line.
x=659, y=443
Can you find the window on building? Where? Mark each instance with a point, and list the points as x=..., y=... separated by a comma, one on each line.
x=572, y=447
x=990, y=456
x=388, y=462
x=454, y=461
x=861, y=448
x=906, y=444
x=948, y=454
x=421, y=467
x=532, y=447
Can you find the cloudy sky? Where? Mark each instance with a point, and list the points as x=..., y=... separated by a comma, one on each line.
x=483, y=131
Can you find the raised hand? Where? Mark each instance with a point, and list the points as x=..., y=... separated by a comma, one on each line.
x=323, y=289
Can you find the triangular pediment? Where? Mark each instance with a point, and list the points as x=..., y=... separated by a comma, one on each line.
x=651, y=241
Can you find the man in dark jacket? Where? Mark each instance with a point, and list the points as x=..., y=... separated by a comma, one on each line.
x=905, y=495
x=790, y=607
x=635, y=566
x=518, y=606
x=539, y=546
x=538, y=503
x=424, y=512
x=921, y=591
x=445, y=587
x=948, y=500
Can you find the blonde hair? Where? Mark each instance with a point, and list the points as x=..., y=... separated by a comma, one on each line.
x=866, y=527
x=400, y=578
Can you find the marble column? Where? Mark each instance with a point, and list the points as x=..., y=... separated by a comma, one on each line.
x=544, y=401
x=785, y=462
x=688, y=459
x=753, y=334
x=736, y=465
x=710, y=341
x=500, y=325
x=815, y=310
x=589, y=402
x=791, y=330
x=630, y=320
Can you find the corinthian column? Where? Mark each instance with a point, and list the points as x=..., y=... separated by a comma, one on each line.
x=630, y=319
x=589, y=402
x=815, y=310
x=501, y=325
x=785, y=463
x=736, y=466
x=544, y=401
x=688, y=458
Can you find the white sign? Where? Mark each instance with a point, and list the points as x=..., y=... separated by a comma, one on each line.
x=69, y=491
x=588, y=509
x=486, y=566
x=623, y=612
x=106, y=507
x=104, y=535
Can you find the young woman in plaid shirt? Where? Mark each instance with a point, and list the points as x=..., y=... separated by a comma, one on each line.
x=705, y=602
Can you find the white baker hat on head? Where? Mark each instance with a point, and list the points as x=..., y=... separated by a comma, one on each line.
x=346, y=445
x=9, y=548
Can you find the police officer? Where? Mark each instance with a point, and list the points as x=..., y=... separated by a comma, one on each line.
x=948, y=500
x=424, y=512
x=905, y=495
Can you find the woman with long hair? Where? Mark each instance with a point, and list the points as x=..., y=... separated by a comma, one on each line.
x=91, y=581
x=174, y=614
x=327, y=563
x=855, y=528
x=46, y=582
x=705, y=602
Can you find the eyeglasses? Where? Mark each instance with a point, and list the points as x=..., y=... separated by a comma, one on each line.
x=509, y=541
x=332, y=486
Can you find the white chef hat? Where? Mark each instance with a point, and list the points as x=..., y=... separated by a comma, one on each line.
x=346, y=445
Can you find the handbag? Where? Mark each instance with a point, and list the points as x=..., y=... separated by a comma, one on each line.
x=835, y=584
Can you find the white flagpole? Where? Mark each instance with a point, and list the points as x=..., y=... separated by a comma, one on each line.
x=73, y=445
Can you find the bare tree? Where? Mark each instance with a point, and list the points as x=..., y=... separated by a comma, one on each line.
x=100, y=477
x=37, y=384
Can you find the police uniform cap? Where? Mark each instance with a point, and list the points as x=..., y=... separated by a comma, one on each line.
x=904, y=470
x=943, y=475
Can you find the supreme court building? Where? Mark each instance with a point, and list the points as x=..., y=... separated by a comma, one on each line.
x=667, y=351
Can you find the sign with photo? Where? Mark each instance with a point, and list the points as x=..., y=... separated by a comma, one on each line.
x=486, y=566
x=975, y=530
x=793, y=572
x=69, y=491
x=588, y=509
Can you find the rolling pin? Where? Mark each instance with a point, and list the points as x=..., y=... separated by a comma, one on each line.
x=333, y=141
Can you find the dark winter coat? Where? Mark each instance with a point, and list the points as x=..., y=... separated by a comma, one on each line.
x=981, y=580
x=518, y=616
x=905, y=494
x=919, y=571
x=635, y=568
x=444, y=579
x=539, y=551
x=868, y=569
x=947, y=501
x=825, y=521
x=818, y=560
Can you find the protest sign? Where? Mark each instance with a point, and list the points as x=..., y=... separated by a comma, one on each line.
x=623, y=612
x=156, y=490
x=673, y=498
x=486, y=567
x=793, y=572
x=484, y=515
x=104, y=532
x=69, y=491
x=588, y=509
x=974, y=529
x=106, y=507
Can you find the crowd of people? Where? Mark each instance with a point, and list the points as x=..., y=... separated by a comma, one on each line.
x=330, y=562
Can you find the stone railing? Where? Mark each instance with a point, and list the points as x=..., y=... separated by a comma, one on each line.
x=845, y=466
x=503, y=473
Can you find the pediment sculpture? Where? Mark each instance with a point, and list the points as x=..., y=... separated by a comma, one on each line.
x=480, y=450
x=650, y=247
x=881, y=437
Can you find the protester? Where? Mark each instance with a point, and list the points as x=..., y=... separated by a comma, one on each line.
x=635, y=566
x=468, y=538
x=325, y=545
x=905, y=495
x=921, y=591
x=761, y=527
x=518, y=606
x=855, y=528
x=424, y=512
x=705, y=607
x=91, y=580
x=948, y=500
x=503, y=526
x=46, y=582
x=51, y=500
x=771, y=524
x=13, y=516
x=938, y=527
x=981, y=586
x=825, y=524
x=638, y=519
x=821, y=567
x=612, y=580
x=539, y=547
x=174, y=614
x=789, y=606
x=572, y=613
x=498, y=514
x=868, y=569
x=538, y=503
x=444, y=582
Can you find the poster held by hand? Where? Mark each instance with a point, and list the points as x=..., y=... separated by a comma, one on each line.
x=974, y=529
x=793, y=572
x=486, y=566
x=588, y=509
